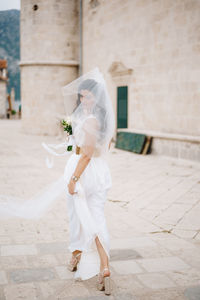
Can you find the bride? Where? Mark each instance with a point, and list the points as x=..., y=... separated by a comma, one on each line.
x=86, y=179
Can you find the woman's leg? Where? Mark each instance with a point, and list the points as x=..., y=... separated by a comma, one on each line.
x=76, y=252
x=75, y=258
x=103, y=257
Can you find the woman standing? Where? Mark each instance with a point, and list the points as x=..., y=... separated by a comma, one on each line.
x=87, y=177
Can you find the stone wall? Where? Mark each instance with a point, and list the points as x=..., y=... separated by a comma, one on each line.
x=3, y=97
x=160, y=41
x=49, y=54
x=180, y=149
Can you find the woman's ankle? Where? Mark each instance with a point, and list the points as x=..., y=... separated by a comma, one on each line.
x=105, y=269
x=76, y=252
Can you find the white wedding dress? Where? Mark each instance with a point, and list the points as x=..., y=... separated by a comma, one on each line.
x=86, y=210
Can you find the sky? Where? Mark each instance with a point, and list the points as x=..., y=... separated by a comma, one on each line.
x=9, y=4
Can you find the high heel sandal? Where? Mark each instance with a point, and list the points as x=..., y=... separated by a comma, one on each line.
x=72, y=265
x=103, y=283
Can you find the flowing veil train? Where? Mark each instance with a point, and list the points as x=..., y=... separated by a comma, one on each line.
x=36, y=206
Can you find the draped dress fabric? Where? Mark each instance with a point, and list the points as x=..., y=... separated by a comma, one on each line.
x=86, y=210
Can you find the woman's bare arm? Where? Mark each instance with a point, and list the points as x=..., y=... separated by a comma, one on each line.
x=110, y=144
x=87, y=151
x=82, y=164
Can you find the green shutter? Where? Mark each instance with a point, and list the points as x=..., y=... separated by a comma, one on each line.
x=122, y=106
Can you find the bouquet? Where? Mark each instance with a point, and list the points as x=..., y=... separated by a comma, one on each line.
x=68, y=128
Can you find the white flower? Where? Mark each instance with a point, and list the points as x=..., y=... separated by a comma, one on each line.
x=68, y=120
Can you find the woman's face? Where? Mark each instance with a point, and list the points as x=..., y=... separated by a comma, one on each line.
x=86, y=98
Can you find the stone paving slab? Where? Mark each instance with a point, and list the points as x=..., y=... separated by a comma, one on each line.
x=191, y=221
x=126, y=267
x=46, y=260
x=133, y=242
x=123, y=296
x=190, y=256
x=176, y=244
x=16, y=250
x=163, y=264
x=2, y=296
x=153, y=252
x=164, y=294
x=72, y=290
x=184, y=233
x=193, y=293
x=185, y=277
x=51, y=289
x=47, y=248
x=3, y=278
x=63, y=273
x=21, y=291
x=156, y=280
x=31, y=275
x=14, y=262
x=124, y=254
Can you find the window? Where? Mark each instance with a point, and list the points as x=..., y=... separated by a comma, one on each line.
x=122, y=107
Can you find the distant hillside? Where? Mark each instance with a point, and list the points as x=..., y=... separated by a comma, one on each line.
x=10, y=46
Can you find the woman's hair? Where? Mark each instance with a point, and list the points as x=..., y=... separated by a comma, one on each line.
x=88, y=84
x=92, y=86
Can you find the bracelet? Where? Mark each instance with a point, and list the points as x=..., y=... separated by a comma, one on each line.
x=75, y=178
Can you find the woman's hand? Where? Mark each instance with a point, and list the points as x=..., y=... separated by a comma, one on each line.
x=109, y=144
x=71, y=187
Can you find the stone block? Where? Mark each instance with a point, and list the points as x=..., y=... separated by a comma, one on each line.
x=185, y=278
x=42, y=261
x=156, y=281
x=126, y=267
x=15, y=250
x=29, y=275
x=176, y=244
x=52, y=289
x=163, y=264
x=52, y=248
x=2, y=296
x=3, y=278
x=192, y=293
x=191, y=220
x=14, y=262
x=72, y=290
x=63, y=272
x=135, y=242
x=21, y=291
x=124, y=254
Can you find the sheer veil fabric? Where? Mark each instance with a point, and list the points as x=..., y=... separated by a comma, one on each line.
x=89, y=107
x=87, y=101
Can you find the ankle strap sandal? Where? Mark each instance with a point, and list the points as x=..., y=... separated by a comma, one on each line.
x=72, y=265
x=103, y=282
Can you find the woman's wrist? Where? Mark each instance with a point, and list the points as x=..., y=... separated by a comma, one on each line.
x=75, y=178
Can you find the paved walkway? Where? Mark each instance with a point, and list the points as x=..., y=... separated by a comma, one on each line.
x=153, y=216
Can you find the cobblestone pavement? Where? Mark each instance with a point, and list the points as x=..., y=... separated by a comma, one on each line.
x=153, y=216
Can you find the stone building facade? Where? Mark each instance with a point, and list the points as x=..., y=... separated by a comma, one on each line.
x=148, y=51
x=49, y=60
x=3, y=88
